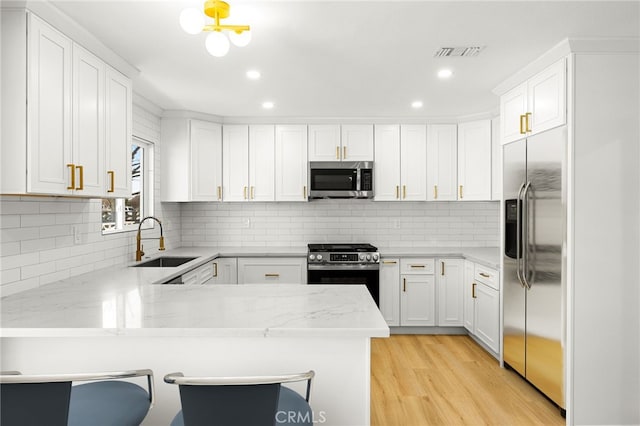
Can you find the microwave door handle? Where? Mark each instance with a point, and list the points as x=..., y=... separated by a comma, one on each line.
x=519, y=235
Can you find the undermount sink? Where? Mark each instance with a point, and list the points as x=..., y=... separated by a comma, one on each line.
x=164, y=262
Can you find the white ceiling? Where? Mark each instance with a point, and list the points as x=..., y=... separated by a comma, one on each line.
x=347, y=59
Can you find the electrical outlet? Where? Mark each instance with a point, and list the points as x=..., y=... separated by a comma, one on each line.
x=246, y=223
x=75, y=230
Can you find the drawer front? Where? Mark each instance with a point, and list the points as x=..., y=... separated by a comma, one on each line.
x=206, y=272
x=191, y=277
x=486, y=276
x=417, y=265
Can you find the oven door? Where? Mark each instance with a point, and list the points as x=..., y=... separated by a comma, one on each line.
x=347, y=274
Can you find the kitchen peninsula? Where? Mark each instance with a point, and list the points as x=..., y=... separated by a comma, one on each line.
x=119, y=319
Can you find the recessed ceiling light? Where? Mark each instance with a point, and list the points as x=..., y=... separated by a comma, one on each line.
x=445, y=73
x=416, y=104
x=267, y=105
x=253, y=75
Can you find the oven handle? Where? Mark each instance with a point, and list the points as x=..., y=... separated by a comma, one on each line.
x=344, y=267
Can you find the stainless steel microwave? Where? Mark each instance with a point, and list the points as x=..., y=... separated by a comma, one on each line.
x=341, y=179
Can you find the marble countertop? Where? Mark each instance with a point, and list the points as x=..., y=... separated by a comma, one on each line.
x=487, y=256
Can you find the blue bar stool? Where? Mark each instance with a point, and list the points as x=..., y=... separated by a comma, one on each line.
x=250, y=401
x=35, y=400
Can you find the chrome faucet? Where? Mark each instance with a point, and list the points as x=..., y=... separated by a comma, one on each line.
x=139, y=252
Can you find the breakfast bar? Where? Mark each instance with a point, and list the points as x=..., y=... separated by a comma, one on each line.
x=119, y=319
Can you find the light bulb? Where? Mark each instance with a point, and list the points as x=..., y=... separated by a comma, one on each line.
x=445, y=73
x=217, y=44
x=240, y=40
x=192, y=21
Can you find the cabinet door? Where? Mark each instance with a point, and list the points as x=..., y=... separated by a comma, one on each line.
x=413, y=162
x=357, y=142
x=442, y=161
x=225, y=271
x=487, y=316
x=474, y=160
x=324, y=142
x=417, y=300
x=88, y=121
x=513, y=105
x=235, y=163
x=118, y=131
x=291, y=163
x=206, y=160
x=468, y=297
x=272, y=271
x=49, y=110
x=390, y=291
x=262, y=167
x=546, y=93
x=450, y=280
x=387, y=166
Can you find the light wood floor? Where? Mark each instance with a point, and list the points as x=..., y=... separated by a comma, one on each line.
x=449, y=380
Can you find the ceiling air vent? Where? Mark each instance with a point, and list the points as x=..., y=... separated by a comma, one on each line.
x=466, y=51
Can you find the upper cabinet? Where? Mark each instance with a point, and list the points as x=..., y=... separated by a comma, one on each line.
x=191, y=160
x=442, y=162
x=291, y=163
x=536, y=105
x=474, y=160
x=400, y=168
x=75, y=137
x=248, y=163
x=349, y=142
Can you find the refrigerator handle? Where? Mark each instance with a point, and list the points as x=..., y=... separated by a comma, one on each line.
x=525, y=235
x=519, y=235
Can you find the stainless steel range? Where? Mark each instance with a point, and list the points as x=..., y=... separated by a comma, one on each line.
x=345, y=263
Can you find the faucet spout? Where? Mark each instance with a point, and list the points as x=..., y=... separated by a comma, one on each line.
x=139, y=252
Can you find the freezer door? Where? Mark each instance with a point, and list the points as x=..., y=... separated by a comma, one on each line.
x=544, y=260
x=514, y=172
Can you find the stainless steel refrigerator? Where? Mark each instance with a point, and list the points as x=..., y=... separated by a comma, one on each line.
x=534, y=251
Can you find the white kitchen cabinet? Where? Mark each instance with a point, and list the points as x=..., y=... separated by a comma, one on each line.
x=536, y=105
x=449, y=282
x=191, y=160
x=442, y=162
x=401, y=163
x=272, y=270
x=357, y=142
x=198, y=276
x=248, y=163
x=291, y=163
x=482, y=304
x=324, y=142
x=118, y=131
x=474, y=160
x=62, y=143
x=225, y=271
x=417, y=297
x=390, y=291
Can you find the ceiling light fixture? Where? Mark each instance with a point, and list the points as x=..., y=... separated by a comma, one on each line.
x=445, y=73
x=267, y=105
x=253, y=75
x=193, y=21
x=416, y=104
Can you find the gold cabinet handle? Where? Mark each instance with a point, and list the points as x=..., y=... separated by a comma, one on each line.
x=344, y=153
x=252, y=192
x=244, y=192
x=435, y=192
x=219, y=193
x=271, y=275
x=304, y=192
x=389, y=262
x=337, y=152
x=215, y=269
x=404, y=191
x=81, y=170
x=482, y=274
x=522, y=127
x=404, y=284
x=397, y=191
x=473, y=290
x=528, y=122
x=112, y=181
x=441, y=268
x=416, y=266
x=460, y=189
x=73, y=176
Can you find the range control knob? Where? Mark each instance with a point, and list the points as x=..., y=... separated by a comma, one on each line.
x=362, y=257
x=368, y=257
x=312, y=257
x=319, y=257
x=375, y=257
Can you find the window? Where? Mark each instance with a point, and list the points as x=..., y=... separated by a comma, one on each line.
x=124, y=214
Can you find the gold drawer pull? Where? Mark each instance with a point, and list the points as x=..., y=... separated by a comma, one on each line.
x=344, y=154
x=304, y=192
x=435, y=192
x=112, y=178
x=482, y=274
x=417, y=266
x=215, y=269
x=404, y=191
x=244, y=192
x=522, y=128
x=337, y=152
x=461, y=192
x=441, y=268
x=397, y=191
x=73, y=176
x=528, y=122
x=219, y=193
x=389, y=262
x=253, y=195
x=404, y=284
x=271, y=275
x=473, y=290
x=81, y=170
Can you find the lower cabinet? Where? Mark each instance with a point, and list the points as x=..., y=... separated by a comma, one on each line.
x=200, y=275
x=482, y=304
x=225, y=271
x=272, y=270
x=390, y=291
x=417, y=301
x=449, y=279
